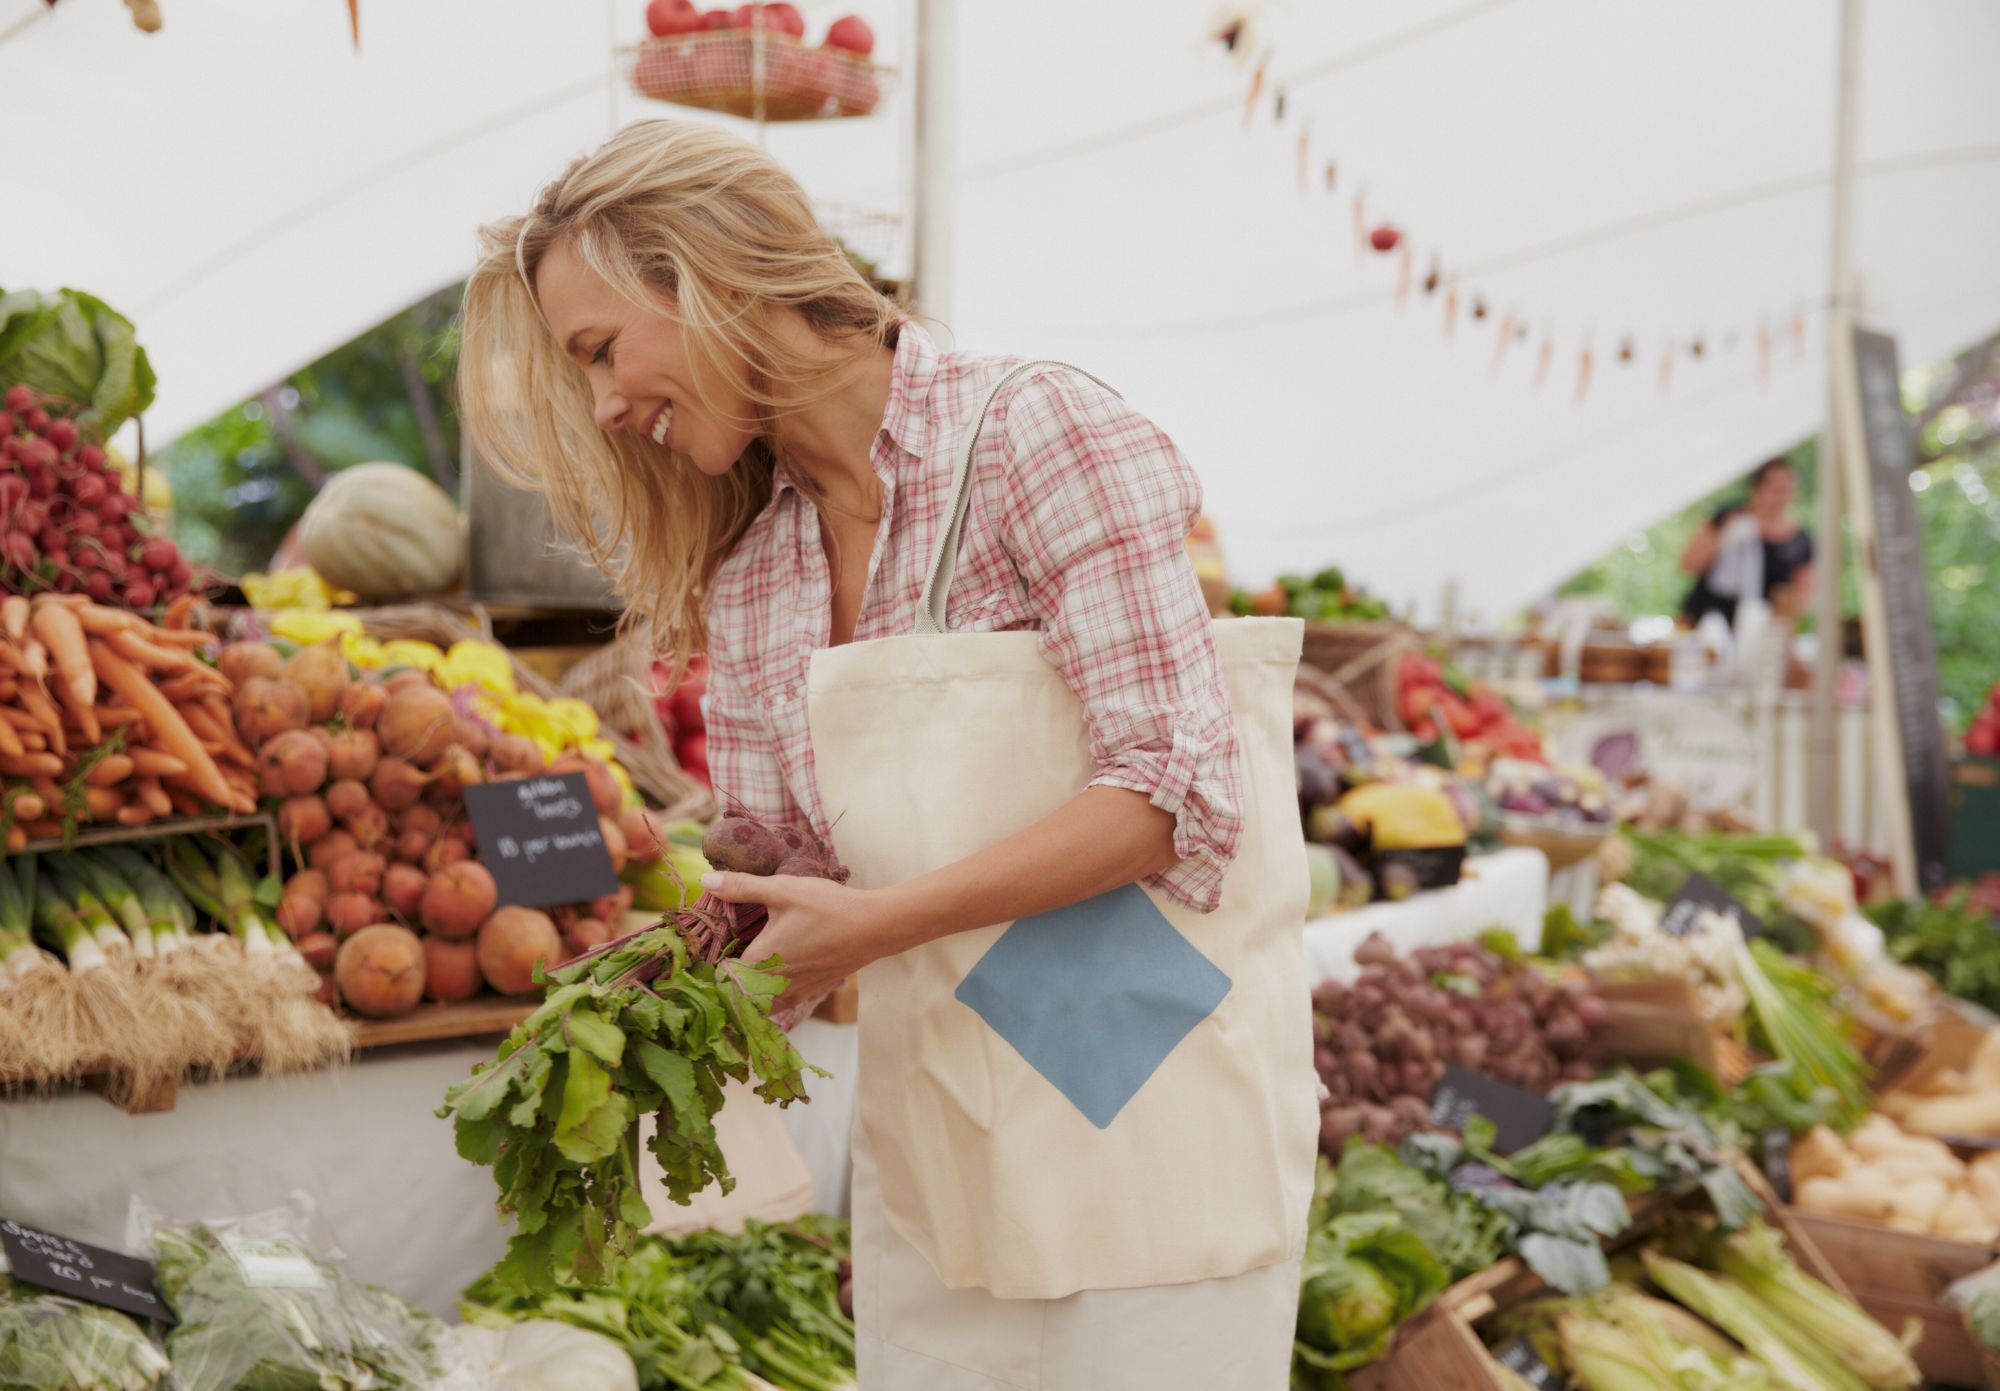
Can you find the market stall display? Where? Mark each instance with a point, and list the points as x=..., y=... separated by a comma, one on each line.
x=753, y=61
x=73, y=524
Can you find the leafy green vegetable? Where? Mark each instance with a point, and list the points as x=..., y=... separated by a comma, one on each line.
x=1984, y=1315
x=1461, y=1233
x=1748, y=867
x=1566, y=939
x=1364, y=1274
x=645, y=1026
x=75, y=346
x=263, y=1314
x=704, y=1309
x=52, y=1343
x=1950, y=940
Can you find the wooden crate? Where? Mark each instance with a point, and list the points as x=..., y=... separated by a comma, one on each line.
x=1441, y=1349
x=1654, y=1022
x=1361, y=659
x=484, y=1016
x=1897, y=1276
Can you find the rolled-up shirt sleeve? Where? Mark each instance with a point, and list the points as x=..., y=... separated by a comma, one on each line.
x=1099, y=506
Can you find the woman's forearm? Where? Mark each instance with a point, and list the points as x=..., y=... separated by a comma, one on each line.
x=1099, y=840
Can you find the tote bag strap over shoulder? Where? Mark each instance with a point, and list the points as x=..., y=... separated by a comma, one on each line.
x=937, y=584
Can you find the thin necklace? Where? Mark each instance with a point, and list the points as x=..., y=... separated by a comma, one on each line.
x=820, y=499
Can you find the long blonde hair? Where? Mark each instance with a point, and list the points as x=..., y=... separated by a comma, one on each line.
x=665, y=212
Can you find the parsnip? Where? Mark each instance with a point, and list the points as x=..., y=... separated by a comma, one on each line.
x=1820, y=1153
x=1964, y=1218
x=1983, y=1179
x=1978, y=1114
x=1984, y=1070
x=1855, y=1196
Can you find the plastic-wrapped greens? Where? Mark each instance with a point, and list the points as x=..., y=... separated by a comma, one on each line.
x=259, y=1311
x=50, y=1342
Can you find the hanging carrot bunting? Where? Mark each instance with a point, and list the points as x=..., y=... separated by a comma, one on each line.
x=1256, y=90
x=1799, y=334
x=1667, y=369
x=1500, y=343
x=1583, y=374
x=354, y=22
x=1626, y=352
x=1543, y=359
x=1403, y=275
x=1332, y=173
x=1450, y=310
x=1305, y=151
x=1697, y=348
x=1431, y=279
x=1763, y=354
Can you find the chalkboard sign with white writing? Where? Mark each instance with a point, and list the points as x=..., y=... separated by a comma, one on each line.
x=1518, y=1356
x=1519, y=1116
x=541, y=839
x=84, y=1271
x=1683, y=915
x=1912, y=655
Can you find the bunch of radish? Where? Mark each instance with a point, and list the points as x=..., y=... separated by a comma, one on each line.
x=387, y=898
x=68, y=523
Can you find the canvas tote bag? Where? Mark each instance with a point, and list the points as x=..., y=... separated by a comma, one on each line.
x=1114, y=1095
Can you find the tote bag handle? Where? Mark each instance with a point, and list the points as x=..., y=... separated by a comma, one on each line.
x=944, y=561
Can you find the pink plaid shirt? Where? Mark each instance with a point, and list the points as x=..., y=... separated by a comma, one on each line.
x=1077, y=529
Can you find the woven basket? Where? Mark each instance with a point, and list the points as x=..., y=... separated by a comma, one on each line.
x=654, y=771
x=716, y=70
x=1362, y=660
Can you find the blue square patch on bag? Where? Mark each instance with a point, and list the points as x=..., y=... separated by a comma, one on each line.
x=1094, y=996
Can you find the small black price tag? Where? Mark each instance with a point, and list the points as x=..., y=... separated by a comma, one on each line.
x=1683, y=915
x=1519, y=1116
x=84, y=1271
x=1778, y=1161
x=1518, y=1356
x=540, y=838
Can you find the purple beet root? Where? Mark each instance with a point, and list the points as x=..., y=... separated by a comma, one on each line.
x=742, y=846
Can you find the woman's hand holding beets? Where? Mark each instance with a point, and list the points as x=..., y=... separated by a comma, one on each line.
x=823, y=932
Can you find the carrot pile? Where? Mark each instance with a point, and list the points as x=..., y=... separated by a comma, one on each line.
x=110, y=719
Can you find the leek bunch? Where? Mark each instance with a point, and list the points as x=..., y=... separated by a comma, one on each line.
x=1746, y=1318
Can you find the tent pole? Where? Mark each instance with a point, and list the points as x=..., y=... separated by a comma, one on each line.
x=936, y=156
x=1823, y=732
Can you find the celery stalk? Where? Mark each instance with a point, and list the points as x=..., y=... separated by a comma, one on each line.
x=1812, y=1315
x=1731, y=1308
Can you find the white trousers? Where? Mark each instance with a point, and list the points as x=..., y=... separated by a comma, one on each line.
x=914, y=1334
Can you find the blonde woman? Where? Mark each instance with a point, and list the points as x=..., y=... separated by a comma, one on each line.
x=952, y=629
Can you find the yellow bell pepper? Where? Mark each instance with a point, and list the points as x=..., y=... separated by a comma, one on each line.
x=409, y=652
x=311, y=626
x=474, y=663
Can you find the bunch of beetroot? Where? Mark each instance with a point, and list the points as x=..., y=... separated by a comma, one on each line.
x=67, y=521
x=368, y=774
x=1381, y=1045
x=741, y=844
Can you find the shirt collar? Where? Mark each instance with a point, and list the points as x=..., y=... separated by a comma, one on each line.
x=904, y=420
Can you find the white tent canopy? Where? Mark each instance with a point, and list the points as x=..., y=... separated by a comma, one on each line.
x=253, y=193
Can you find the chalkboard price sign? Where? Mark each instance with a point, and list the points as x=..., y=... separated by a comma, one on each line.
x=1519, y=1116
x=1912, y=642
x=83, y=1271
x=1518, y=1356
x=541, y=839
x=1683, y=915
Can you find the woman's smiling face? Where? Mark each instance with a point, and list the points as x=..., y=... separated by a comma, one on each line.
x=642, y=377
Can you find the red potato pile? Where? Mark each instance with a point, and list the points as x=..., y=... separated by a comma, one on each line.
x=68, y=524
x=387, y=897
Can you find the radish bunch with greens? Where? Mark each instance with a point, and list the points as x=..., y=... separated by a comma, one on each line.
x=652, y=1023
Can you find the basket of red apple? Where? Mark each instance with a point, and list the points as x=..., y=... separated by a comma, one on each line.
x=754, y=61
